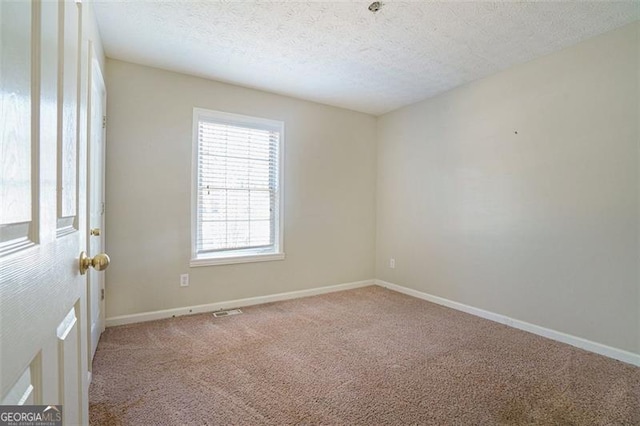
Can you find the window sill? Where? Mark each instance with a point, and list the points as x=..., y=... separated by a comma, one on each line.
x=229, y=260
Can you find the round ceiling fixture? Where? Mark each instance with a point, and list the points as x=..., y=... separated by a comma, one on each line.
x=375, y=6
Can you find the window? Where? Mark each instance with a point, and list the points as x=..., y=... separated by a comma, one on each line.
x=237, y=189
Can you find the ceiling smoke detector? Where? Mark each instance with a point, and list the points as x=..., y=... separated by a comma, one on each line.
x=375, y=6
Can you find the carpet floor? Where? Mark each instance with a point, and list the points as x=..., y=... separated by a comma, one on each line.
x=368, y=356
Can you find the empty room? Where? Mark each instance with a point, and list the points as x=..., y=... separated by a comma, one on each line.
x=337, y=213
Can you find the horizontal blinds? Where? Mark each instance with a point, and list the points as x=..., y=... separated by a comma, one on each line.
x=237, y=186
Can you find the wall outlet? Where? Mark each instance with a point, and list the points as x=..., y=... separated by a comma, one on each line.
x=392, y=263
x=184, y=280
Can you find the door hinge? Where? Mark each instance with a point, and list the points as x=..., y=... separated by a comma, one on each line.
x=104, y=121
x=102, y=294
x=102, y=208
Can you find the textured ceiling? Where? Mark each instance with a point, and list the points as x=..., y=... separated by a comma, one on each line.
x=339, y=53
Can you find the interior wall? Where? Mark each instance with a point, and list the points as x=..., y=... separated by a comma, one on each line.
x=518, y=193
x=329, y=193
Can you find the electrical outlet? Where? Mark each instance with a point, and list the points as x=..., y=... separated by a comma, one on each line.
x=392, y=263
x=184, y=280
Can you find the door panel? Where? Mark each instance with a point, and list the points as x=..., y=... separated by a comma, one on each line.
x=22, y=391
x=68, y=333
x=43, y=343
x=96, y=230
x=17, y=190
x=68, y=117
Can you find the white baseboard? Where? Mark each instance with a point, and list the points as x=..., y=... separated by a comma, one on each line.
x=599, y=348
x=211, y=307
x=579, y=342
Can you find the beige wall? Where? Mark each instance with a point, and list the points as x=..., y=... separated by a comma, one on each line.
x=541, y=225
x=329, y=190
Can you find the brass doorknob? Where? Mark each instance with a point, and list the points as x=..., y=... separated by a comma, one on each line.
x=99, y=262
x=95, y=232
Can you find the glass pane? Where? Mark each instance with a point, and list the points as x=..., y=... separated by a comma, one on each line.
x=237, y=173
x=260, y=205
x=237, y=234
x=237, y=205
x=238, y=146
x=213, y=204
x=213, y=235
x=213, y=171
x=258, y=174
x=260, y=232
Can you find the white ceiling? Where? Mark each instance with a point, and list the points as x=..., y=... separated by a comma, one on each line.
x=339, y=53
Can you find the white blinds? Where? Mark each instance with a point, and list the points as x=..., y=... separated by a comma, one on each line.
x=237, y=186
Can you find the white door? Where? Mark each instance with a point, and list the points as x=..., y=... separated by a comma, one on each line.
x=95, y=230
x=43, y=116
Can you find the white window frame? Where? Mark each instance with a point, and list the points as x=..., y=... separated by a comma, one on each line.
x=236, y=256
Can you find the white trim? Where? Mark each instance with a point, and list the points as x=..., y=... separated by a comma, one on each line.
x=188, y=310
x=238, y=119
x=579, y=342
x=247, y=258
x=194, y=182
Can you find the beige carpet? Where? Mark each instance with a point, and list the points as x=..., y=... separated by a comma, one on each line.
x=368, y=356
